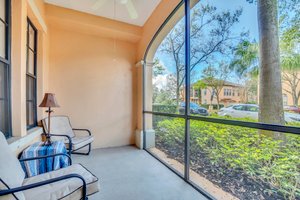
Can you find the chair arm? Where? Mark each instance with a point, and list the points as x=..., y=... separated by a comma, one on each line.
x=47, y=156
x=80, y=129
x=42, y=183
x=69, y=138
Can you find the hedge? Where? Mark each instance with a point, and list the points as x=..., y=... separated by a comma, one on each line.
x=164, y=108
x=259, y=156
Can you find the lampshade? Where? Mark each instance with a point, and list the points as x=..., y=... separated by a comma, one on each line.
x=49, y=101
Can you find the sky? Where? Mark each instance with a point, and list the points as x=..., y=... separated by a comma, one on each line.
x=248, y=22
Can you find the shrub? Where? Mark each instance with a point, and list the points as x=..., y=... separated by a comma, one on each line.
x=239, y=148
x=164, y=108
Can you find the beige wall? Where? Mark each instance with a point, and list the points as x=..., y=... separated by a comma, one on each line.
x=93, y=78
x=91, y=87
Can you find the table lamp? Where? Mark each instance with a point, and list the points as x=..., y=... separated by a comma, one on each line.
x=49, y=101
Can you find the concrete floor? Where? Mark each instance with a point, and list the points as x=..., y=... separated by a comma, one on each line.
x=127, y=173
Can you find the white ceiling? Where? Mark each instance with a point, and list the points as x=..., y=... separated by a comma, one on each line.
x=105, y=8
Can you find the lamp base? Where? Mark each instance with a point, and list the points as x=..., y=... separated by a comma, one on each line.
x=48, y=141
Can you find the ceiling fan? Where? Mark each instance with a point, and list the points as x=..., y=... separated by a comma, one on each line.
x=128, y=3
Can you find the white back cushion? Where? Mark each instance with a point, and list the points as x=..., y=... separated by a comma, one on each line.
x=11, y=172
x=59, y=125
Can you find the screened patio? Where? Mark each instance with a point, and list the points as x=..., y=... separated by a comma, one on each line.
x=179, y=99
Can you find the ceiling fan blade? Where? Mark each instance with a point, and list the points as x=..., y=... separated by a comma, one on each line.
x=98, y=4
x=131, y=10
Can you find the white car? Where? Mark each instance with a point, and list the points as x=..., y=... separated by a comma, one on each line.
x=251, y=111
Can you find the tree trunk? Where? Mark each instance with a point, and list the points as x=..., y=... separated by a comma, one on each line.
x=270, y=91
x=218, y=102
x=177, y=90
x=295, y=99
x=177, y=97
x=199, y=96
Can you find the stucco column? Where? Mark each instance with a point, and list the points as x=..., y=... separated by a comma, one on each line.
x=18, y=67
x=148, y=91
x=42, y=72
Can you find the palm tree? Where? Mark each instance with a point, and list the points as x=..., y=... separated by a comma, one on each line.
x=245, y=65
x=270, y=90
x=245, y=60
x=270, y=87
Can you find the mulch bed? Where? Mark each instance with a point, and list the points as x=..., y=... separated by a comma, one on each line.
x=232, y=181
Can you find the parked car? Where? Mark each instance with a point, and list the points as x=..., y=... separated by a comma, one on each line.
x=251, y=111
x=294, y=109
x=194, y=109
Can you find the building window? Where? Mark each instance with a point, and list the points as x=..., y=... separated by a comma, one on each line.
x=5, y=114
x=31, y=107
x=227, y=92
x=204, y=92
x=196, y=93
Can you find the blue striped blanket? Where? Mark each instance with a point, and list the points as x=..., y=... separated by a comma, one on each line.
x=39, y=166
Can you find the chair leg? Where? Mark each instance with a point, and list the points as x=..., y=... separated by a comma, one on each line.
x=69, y=152
x=90, y=147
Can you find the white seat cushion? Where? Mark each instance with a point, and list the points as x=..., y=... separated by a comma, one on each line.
x=11, y=172
x=65, y=189
x=79, y=141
